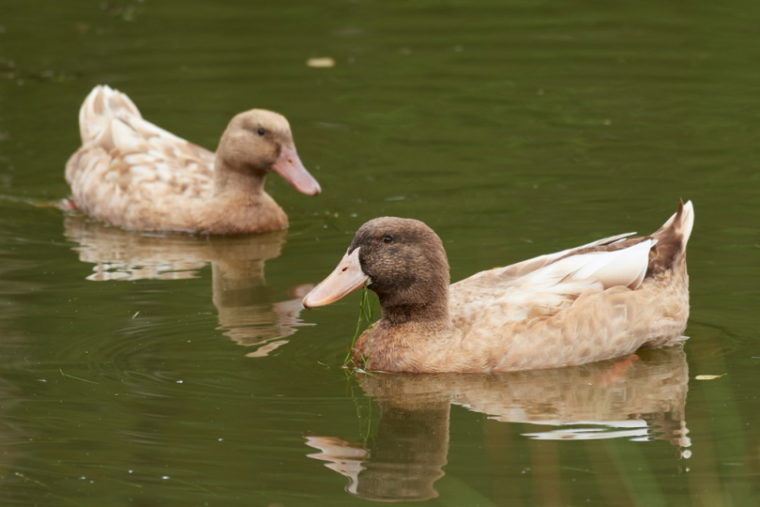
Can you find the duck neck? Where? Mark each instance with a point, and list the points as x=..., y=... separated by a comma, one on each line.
x=431, y=310
x=229, y=178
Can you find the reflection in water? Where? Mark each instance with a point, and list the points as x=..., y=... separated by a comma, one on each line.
x=247, y=312
x=638, y=397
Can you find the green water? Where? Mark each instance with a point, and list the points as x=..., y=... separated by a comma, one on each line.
x=172, y=370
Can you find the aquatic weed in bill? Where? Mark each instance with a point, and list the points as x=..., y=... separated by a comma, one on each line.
x=365, y=319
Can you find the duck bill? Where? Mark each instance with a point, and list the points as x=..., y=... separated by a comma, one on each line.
x=346, y=277
x=290, y=167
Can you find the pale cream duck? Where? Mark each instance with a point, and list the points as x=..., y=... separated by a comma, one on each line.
x=594, y=302
x=131, y=173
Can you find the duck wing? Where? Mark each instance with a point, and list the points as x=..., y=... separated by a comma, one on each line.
x=128, y=169
x=519, y=269
x=546, y=284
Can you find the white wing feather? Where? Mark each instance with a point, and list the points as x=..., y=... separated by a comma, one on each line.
x=546, y=284
x=625, y=267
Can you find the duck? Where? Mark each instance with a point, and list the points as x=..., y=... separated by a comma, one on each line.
x=594, y=302
x=133, y=174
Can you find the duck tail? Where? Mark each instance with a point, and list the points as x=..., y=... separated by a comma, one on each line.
x=672, y=239
x=101, y=105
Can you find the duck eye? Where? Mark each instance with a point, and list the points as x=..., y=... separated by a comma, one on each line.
x=387, y=238
x=261, y=131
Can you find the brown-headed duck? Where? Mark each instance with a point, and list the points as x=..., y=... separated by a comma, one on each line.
x=131, y=173
x=593, y=302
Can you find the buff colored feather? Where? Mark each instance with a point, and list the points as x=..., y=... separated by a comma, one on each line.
x=134, y=174
x=594, y=302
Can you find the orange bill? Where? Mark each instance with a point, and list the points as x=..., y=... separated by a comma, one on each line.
x=346, y=277
x=290, y=167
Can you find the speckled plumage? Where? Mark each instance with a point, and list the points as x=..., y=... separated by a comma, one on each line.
x=131, y=173
x=590, y=303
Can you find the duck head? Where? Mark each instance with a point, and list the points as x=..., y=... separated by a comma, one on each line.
x=402, y=260
x=259, y=141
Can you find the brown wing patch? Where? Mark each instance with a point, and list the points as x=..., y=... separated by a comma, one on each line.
x=669, y=244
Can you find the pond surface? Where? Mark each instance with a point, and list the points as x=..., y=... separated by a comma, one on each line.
x=178, y=370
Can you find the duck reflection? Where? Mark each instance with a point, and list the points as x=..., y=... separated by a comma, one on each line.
x=640, y=397
x=245, y=305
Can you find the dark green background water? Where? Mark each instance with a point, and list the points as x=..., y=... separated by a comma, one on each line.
x=513, y=128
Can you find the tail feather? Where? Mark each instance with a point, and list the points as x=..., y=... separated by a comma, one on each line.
x=672, y=239
x=687, y=223
x=100, y=107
